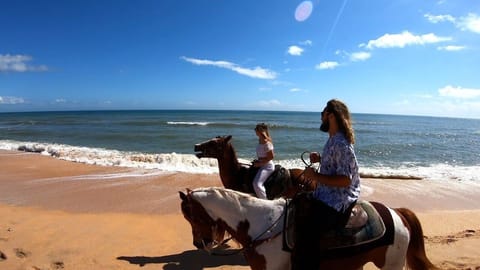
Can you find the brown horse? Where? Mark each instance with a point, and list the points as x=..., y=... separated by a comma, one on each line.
x=238, y=176
x=258, y=225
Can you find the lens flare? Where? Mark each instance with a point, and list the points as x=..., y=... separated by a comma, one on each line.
x=303, y=11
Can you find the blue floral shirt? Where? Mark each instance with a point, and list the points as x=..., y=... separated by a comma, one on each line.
x=338, y=158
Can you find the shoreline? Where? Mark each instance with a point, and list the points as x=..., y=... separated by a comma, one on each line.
x=190, y=164
x=31, y=179
x=62, y=215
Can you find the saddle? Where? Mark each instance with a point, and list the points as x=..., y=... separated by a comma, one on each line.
x=369, y=225
x=276, y=184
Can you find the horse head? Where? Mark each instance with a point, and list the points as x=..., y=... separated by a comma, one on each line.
x=213, y=148
x=206, y=232
x=253, y=223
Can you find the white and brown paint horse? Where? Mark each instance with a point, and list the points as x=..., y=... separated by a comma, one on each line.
x=235, y=175
x=258, y=224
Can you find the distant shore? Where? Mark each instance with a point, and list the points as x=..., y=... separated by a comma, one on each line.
x=59, y=214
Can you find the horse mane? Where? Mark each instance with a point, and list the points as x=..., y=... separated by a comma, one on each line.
x=233, y=153
x=236, y=198
x=221, y=193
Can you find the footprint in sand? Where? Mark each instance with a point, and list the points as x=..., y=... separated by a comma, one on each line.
x=455, y=237
x=58, y=265
x=449, y=265
x=21, y=253
x=2, y=256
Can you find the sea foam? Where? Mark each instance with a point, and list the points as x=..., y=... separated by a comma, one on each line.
x=189, y=163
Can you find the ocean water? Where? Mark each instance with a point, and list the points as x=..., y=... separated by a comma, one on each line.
x=386, y=145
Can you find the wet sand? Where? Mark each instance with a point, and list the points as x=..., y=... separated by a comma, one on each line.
x=61, y=215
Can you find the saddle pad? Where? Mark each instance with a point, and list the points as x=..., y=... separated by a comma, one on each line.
x=374, y=229
x=278, y=182
x=342, y=238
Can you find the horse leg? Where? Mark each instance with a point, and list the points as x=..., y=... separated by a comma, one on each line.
x=395, y=255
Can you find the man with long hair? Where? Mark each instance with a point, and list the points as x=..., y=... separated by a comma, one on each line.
x=338, y=187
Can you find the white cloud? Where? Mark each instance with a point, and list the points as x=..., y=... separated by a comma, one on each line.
x=469, y=23
x=439, y=18
x=360, y=56
x=451, y=48
x=295, y=50
x=11, y=100
x=295, y=90
x=404, y=39
x=18, y=63
x=306, y=42
x=459, y=92
x=257, y=72
x=269, y=103
x=327, y=65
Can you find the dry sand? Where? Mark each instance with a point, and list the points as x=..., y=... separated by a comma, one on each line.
x=57, y=214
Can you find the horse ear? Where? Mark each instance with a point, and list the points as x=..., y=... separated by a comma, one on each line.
x=183, y=196
x=228, y=138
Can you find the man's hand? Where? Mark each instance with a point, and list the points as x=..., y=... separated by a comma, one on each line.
x=314, y=157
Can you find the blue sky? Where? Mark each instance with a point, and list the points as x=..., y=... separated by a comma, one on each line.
x=394, y=57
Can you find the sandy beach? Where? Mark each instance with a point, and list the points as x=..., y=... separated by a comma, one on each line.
x=57, y=214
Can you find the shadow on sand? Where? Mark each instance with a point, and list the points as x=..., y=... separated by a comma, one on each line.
x=190, y=259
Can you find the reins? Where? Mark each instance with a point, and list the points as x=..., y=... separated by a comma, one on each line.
x=307, y=165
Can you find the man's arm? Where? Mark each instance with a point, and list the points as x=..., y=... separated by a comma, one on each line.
x=329, y=180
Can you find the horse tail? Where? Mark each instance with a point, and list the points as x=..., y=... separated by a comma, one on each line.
x=416, y=255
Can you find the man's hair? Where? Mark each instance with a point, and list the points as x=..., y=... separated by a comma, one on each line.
x=344, y=120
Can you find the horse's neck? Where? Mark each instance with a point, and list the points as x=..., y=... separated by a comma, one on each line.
x=247, y=215
x=228, y=167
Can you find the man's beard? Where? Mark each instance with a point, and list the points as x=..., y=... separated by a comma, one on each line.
x=325, y=126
